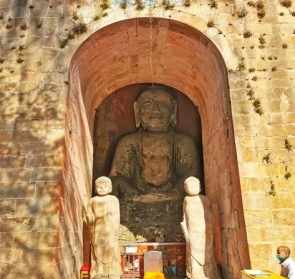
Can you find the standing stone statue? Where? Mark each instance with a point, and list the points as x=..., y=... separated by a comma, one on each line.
x=198, y=233
x=103, y=216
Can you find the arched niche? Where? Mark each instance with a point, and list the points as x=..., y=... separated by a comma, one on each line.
x=156, y=50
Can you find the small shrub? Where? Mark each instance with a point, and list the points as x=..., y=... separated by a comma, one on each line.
x=288, y=145
x=286, y=3
x=266, y=158
x=247, y=34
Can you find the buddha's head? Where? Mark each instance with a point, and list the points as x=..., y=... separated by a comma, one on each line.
x=192, y=186
x=103, y=186
x=155, y=109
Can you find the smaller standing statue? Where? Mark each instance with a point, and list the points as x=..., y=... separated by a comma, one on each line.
x=103, y=217
x=198, y=233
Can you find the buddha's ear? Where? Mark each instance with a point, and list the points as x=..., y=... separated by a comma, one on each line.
x=136, y=114
x=173, y=119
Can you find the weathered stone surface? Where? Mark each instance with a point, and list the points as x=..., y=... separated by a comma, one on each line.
x=27, y=263
x=7, y=240
x=23, y=224
x=7, y=207
x=46, y=159
x=15, y=175
x=260, y=254
x=257, y=201
x=37, y=240
x=17, y=190
x=260, y=233
x=282, y=233
x=47, y=174
x=283, y=200
x=284, y=216
x=258, y=217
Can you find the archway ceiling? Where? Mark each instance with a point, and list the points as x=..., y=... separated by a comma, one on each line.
x=152, y=50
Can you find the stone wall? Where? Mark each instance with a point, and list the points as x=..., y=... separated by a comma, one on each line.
x=38, y=40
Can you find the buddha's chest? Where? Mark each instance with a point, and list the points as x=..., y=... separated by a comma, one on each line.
x=157, y=159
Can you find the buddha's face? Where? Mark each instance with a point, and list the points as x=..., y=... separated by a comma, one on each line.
x=155, y=110
x=192, y=186
x=103, y=186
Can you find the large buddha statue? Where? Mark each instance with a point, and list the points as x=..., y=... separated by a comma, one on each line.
x=151, y=164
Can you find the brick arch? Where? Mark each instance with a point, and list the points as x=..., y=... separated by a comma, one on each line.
x=147, y=50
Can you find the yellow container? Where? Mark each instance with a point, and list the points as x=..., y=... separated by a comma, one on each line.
x=260, y=274
x=154, y=275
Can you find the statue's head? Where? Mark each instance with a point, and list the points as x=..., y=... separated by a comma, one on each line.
x=155, y=109
x=192, y=186
x=103, y=186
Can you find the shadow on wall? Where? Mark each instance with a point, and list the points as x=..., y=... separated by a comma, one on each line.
x=32, y=223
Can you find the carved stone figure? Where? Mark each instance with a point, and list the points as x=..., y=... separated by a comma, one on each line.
x=198, y=232
x=150, y=165
x=155, y=158
x=103, y=216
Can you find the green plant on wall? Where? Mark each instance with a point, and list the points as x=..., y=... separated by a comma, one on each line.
x=272, y=190
x=266, y=158
x=288, y=145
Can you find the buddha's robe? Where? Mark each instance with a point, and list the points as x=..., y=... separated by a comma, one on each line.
x=155, y=162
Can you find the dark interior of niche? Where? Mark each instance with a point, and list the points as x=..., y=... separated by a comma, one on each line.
x=114, y=118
